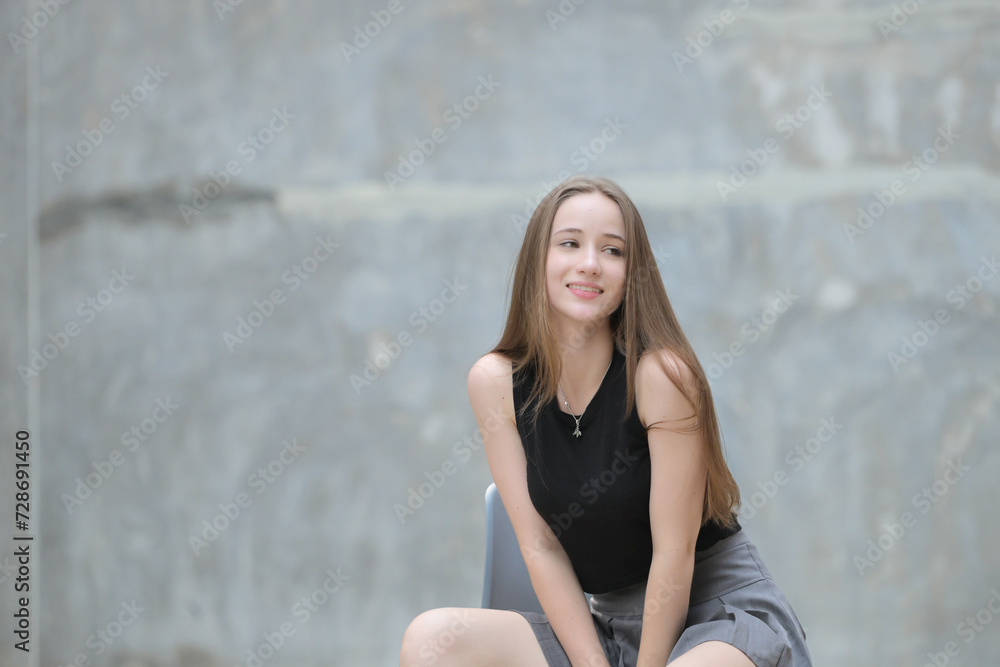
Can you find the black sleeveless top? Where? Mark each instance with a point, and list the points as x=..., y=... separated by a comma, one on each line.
x=593, y=491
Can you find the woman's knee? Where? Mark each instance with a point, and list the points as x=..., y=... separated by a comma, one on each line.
x=713, y=653
x=434, y=634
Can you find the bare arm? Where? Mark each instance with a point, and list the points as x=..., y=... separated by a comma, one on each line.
x=676, y=500
x=556, y=584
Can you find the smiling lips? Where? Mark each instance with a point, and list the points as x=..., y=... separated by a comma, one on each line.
x=585, y=290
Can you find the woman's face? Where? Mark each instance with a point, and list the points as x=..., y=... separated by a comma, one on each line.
x=585, y=264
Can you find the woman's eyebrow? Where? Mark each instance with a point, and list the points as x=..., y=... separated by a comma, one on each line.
x=574, y=230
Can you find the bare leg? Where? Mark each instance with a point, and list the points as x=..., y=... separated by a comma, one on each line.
x=454, y=636
x=713, y=654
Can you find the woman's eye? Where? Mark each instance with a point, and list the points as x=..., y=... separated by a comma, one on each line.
x=614, y=251
x=568, y=244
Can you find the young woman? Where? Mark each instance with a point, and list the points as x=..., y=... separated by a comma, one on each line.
x=602, y=439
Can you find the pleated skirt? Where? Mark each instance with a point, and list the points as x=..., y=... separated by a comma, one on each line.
x=733, y=599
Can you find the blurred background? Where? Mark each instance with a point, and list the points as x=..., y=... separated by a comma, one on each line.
x=251, y=249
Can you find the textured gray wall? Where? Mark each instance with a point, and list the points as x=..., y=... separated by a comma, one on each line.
x=214, y=357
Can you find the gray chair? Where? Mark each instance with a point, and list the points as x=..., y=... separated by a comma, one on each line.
x=506, y=584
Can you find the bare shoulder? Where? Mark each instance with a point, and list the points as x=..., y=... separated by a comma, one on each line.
x=656, y=395
x=490, y=380
x=489, y=370
x=652, y=370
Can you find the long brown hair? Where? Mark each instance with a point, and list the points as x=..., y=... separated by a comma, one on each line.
x=644, y=321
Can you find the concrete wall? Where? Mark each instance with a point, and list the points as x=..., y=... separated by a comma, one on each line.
x=830, y=438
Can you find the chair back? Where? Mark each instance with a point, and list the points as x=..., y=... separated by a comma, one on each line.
x=506, y=584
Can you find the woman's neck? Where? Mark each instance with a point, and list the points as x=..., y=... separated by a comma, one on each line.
x=585, y=361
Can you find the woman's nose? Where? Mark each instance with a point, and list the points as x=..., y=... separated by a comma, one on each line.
x=590, y=262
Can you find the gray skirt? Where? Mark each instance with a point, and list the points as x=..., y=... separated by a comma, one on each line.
x=733, y=600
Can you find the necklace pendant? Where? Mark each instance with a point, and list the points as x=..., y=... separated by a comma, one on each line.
x=577, y=432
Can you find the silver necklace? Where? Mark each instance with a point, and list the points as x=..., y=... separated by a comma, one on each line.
x=578, y=432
